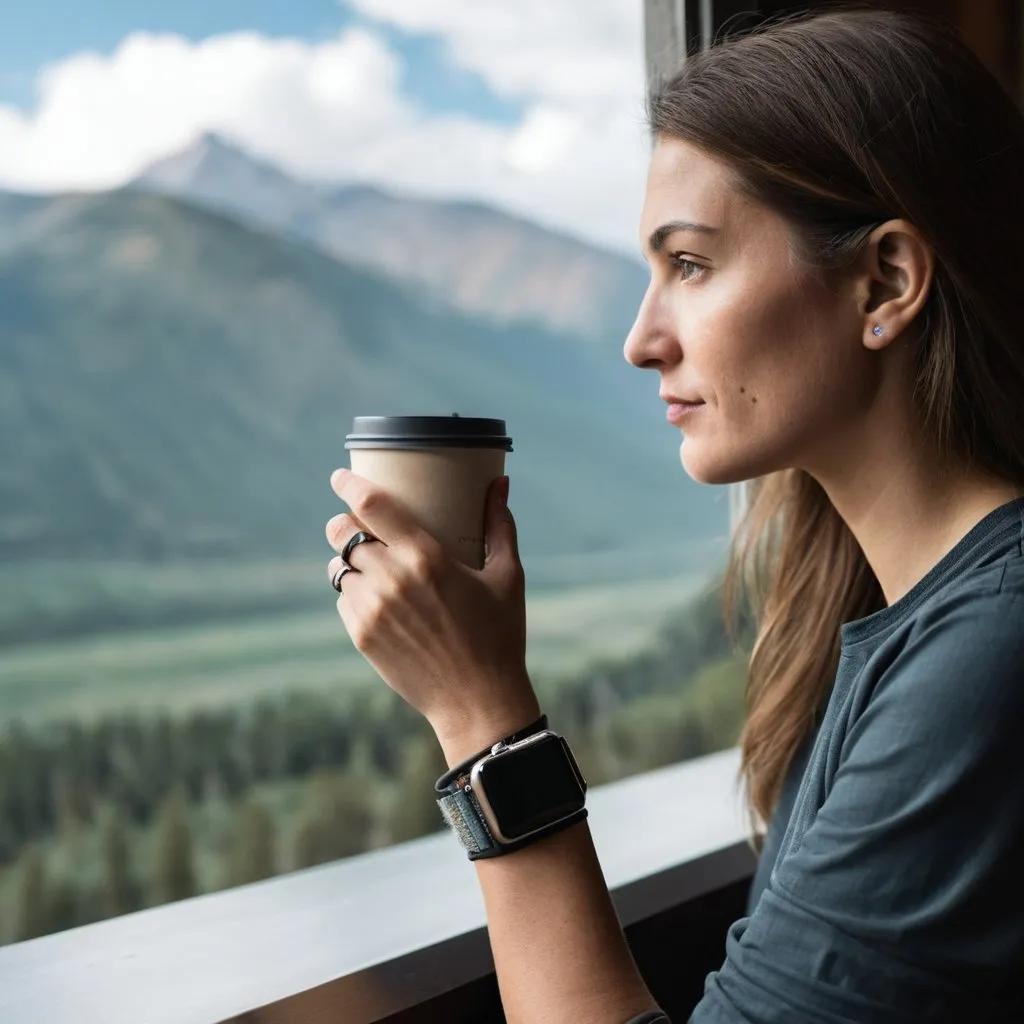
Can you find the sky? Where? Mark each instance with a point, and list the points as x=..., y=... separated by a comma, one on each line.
x=535, y=106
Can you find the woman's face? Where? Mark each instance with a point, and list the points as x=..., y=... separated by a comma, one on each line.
x=768, y=350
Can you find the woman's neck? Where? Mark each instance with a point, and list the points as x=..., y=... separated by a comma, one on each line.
x=907, y=511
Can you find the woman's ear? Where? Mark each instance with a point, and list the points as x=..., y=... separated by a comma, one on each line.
x=899, y=266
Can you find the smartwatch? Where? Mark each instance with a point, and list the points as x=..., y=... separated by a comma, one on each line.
x=526, y=787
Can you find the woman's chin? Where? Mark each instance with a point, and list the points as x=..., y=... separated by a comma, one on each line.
x=706, y=467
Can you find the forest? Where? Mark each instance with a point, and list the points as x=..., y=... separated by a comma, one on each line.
x=104, y=816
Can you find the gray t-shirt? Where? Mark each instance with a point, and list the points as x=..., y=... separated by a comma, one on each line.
x=893, y=892
x=780, y=819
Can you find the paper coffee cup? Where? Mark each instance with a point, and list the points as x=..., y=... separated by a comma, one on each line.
x=439, y=468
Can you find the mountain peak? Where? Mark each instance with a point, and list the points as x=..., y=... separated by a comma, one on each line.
x=209, y=157
x=214, y=141
x=470, y=255
x=214, y=146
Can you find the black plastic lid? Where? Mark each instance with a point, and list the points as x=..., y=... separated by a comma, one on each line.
x=453, y=431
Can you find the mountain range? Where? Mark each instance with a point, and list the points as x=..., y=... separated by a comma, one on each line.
x=481, y=260
x=177, y=375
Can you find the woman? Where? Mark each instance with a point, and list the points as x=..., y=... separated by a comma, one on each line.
x=834, y=224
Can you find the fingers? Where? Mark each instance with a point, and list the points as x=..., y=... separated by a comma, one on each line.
x=381, y=514
x=340, y=530
x=501, y=540
x=334, y=566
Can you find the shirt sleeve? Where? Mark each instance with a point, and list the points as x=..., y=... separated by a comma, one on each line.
x=901, y=900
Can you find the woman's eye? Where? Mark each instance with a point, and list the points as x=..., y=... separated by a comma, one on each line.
x=688, y=268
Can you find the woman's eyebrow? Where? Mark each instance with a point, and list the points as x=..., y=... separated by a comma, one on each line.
x=660, y=235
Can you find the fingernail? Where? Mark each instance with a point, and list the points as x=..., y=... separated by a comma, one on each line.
x=338, y=475
x=504, y=490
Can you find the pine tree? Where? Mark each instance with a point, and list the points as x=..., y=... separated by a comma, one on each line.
x=251, y=857
x=31, y=916
x=173, y=870
x=62, y=905
x=337, y=820
x=414, y=812
x=119, y=891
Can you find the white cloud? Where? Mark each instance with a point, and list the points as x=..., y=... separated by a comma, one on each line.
x=580, y=52
x=335, y=110
x=544, y=139
x=99, y=119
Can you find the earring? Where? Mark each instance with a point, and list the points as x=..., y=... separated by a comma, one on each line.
x=876, y=331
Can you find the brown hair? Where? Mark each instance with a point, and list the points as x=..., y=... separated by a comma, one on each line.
x=839, y=122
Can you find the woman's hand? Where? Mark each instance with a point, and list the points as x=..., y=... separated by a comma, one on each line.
x=448, y=639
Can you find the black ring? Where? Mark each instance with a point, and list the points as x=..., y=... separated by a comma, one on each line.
x=358, y=538
x=340, y=575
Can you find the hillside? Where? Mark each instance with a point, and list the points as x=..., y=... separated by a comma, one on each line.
x=174, y=383
x=479, y=259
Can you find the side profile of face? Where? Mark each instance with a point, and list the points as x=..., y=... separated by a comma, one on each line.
x=781, y=361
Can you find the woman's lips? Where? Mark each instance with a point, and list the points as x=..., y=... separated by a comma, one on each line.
x=680, y=412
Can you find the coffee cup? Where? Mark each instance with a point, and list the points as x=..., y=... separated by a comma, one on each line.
x=439, y=468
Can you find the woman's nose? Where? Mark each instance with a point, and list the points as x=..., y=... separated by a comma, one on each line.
x=652, y=341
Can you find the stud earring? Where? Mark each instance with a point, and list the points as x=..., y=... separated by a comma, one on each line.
x=876, y=331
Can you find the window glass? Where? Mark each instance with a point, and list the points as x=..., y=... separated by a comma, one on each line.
x=225, y=231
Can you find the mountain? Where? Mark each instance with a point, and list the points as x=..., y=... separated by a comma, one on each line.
x=15, y=212
x=173, y=382
x=480, y=260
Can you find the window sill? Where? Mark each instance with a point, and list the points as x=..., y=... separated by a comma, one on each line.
x=367, y=935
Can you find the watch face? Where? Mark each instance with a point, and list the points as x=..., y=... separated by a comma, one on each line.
x=532, y=787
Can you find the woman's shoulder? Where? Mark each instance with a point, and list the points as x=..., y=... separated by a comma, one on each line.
x=961, y=663
x=974, y=604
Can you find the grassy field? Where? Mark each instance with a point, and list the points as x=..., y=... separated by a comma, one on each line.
x=77, y=789
x=43, y=599
x=217, y=662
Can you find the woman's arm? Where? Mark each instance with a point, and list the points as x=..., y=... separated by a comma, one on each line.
x=451, y=641
x=558, y=947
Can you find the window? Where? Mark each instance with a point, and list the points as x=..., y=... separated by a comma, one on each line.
x=220, y=241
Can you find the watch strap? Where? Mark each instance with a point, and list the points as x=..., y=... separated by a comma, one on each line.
x=463, y=815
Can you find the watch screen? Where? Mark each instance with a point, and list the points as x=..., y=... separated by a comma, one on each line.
x=532, y=787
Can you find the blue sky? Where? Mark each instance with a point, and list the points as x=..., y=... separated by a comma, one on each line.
x=33, y=34
x=535, y=106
